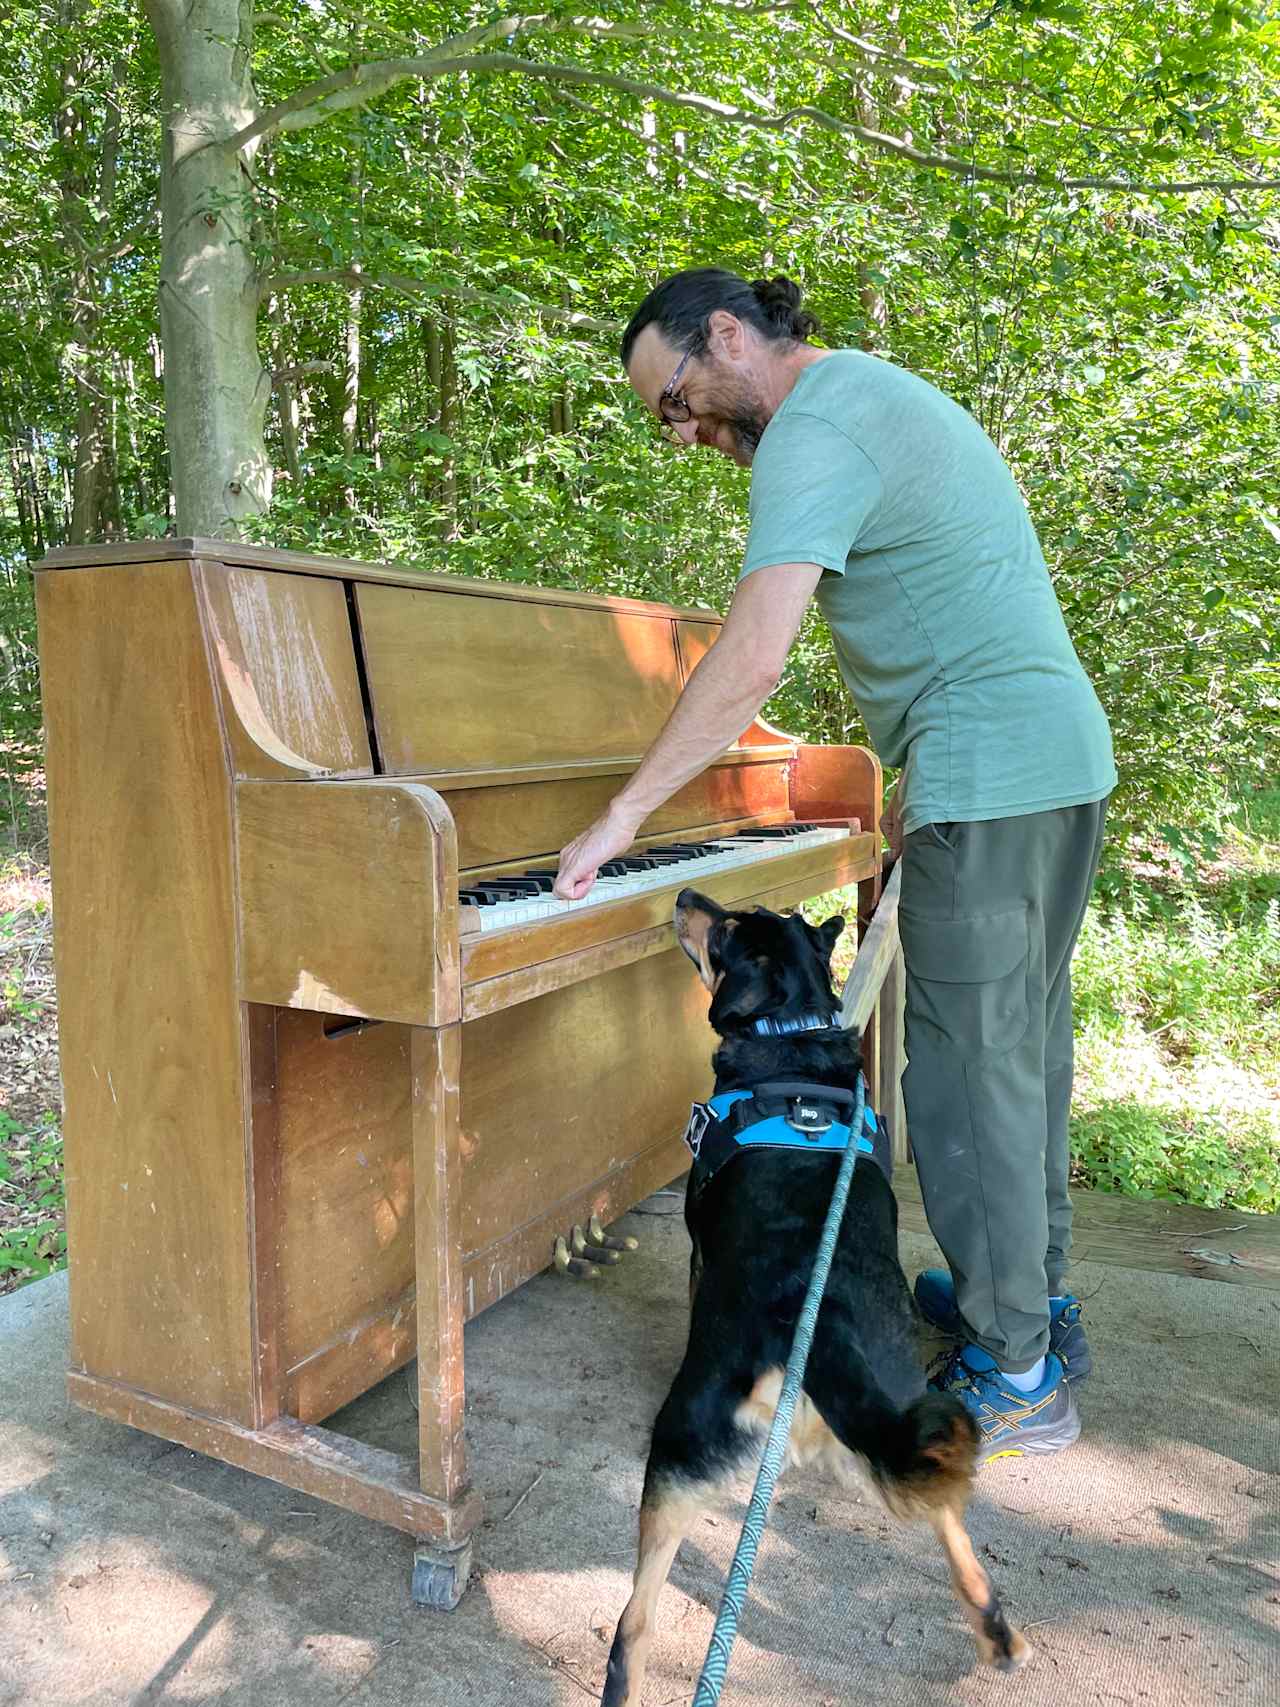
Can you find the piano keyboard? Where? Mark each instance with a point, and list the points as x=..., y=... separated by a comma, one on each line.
x=496, y=903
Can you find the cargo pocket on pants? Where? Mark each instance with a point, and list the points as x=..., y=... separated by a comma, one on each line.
x=967, y=978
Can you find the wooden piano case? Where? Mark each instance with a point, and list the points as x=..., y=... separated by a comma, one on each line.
x=313, y=1125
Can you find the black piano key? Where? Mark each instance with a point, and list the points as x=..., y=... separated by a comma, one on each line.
x=513, y=885
x=476, y=898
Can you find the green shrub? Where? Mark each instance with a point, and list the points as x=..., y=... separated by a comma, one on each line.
x=1186, y=1156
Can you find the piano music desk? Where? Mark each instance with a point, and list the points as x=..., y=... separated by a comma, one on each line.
x=317, y=1118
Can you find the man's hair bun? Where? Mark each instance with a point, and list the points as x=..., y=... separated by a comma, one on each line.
x=681, y=306
x=779, y=297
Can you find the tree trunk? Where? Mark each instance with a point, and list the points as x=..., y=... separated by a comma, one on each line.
x=215, y=388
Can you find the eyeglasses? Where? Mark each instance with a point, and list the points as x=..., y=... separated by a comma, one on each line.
x=673, y=407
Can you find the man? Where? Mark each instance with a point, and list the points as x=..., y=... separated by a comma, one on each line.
x=872, y=490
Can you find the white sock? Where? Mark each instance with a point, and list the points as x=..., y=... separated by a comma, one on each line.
x=1028, y=1380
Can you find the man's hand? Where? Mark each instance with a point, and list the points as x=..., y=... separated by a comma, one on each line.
x=605, y=839
x=891, y=823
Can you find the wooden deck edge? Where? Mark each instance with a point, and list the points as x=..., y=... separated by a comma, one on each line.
x=363, y=1479
x=1228, y=1245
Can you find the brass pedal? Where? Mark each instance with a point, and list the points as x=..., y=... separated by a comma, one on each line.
x=566, y=1264
x=592, y=1252
x=606, y=1241
x=583, y=1252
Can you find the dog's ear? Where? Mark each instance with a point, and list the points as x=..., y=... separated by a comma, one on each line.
x=746, y=988
x=826, y=935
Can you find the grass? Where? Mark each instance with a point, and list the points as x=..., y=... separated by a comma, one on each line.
x=1177, y=1001
x=32, y=1222
x=1177, y=1007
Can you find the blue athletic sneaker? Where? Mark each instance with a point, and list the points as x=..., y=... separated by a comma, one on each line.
x=1010, y=1423
x=936, y=1298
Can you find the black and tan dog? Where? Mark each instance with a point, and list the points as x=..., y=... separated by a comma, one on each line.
x=865, y=1412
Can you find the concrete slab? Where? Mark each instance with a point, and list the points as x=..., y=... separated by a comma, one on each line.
x=1144, y=1563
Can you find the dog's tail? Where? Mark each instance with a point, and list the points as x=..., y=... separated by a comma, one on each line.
x=921, y=1457
x=924, y=1463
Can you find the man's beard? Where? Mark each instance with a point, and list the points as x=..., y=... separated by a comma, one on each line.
x=748, y=428
x=742, y=411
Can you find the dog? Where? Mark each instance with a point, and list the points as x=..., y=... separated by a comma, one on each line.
x=865, y=1412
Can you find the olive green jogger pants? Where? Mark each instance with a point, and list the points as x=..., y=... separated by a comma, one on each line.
x=989, y=915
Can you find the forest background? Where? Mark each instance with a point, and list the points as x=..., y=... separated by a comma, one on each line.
x=347, y=276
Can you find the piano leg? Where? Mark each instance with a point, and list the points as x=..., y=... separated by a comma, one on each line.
x=440, y=1571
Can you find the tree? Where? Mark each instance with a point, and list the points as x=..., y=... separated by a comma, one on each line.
x=392, y=252
x=212, y=281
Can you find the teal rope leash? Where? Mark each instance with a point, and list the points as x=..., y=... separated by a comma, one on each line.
x=716, y=1664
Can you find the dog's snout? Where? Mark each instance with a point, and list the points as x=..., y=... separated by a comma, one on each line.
x=687, y=898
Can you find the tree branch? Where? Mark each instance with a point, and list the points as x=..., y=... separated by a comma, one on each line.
x=512, y=301
x=359, y=84
x=127, y=239
x=730, y=114
x=287, y=375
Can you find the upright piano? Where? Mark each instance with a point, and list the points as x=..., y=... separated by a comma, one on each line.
x=339, y=1070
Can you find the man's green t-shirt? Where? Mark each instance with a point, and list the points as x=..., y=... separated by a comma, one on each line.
x=946, y=626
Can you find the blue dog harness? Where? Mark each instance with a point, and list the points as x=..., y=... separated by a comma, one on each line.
x=777, y=1115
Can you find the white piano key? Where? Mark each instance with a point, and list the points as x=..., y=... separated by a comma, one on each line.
x=734, y=851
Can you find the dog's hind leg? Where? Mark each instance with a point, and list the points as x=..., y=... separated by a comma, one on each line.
x=697, y=1445
x=999, y=1644
x=667, y=1513
x=921, y=1461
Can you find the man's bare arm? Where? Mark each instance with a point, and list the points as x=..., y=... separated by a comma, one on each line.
x=719, y=700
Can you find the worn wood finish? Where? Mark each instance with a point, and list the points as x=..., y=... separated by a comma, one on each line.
x=587, y=1089
x=1165, y=1238
x=347, y=569
x=875, y=953
x=381, y=1343
x=286, y=672
x=344, y=1249
x=436, y=1068
x=264, y=1210
x=348, y=899
x=490, y=1274
x=370, y=1350
x=891, y=1027
x=836, y=782
x=551, y=813
x=364, y=1479
x=155, y=1122
x=270, y=1209
x=510, y=684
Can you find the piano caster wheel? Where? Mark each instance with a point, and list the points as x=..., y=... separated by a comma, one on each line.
x=440, y=1576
